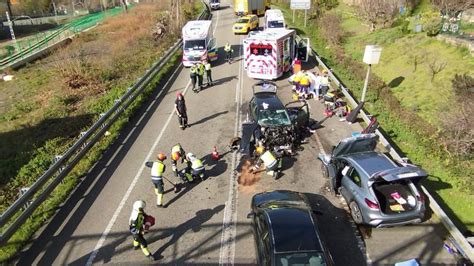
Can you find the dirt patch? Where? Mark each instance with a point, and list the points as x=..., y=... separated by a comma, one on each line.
x=248, y=180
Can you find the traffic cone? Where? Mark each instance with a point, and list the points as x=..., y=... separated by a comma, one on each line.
x=215, y=155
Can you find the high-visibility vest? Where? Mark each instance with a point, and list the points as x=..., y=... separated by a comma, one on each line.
x=304, y=80
x=324, y=81
x=201, y=69
x=193, y=69
x=268, y=159
x=196, y=164
x=138, y=223
x=207, y=66
x=227, y=48
x=157, y=170
x=298, y=76
x=176, y=148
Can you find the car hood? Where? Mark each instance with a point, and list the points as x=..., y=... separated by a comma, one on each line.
x=360, y=143
x=414, y=173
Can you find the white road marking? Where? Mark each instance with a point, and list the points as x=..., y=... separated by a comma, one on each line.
x=229, y=228
x=134, y=182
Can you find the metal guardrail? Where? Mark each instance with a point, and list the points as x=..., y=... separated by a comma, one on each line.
x=66, y=162
x=462, y=242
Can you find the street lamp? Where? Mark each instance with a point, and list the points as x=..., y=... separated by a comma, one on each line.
x=371, y=57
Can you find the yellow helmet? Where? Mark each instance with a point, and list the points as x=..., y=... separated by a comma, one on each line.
x=260, y=149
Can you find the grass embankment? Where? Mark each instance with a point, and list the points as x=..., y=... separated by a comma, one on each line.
x=406, y=110
x=52, y=101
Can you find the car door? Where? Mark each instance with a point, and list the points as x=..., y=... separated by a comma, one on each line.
x=351, y=184
x=262, y=239
x=298, y=112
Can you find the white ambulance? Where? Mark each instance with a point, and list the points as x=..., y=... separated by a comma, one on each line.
x=268, y=54
x=274, y=19
x=198, y=42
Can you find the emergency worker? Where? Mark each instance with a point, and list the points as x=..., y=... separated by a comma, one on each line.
x=136, y=226
x=297, y=80
x=305, y=83
x=201, y=71
x=271, y=162
x=177, y=153
x=324, y=83
x=228, y=51
x=181, y=110
x=157, y=170
x=196, y=166
x=207, y=66
x=193, y=72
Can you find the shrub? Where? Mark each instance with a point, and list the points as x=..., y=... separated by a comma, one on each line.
x=333, y=33
x=431, y=22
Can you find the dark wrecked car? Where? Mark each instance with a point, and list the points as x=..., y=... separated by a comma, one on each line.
x=272, y=124
x=379, y=191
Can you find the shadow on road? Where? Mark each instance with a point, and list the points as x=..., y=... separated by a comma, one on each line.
x=61, y=228
x=193, y=224
x=206, y=119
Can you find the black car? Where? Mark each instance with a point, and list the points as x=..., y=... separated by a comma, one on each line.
x=272, y=123
x=286, y=231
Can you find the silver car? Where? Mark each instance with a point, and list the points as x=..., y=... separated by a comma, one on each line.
x=379, y=191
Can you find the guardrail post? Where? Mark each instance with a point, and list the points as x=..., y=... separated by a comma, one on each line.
x=85, y=142
x=23, y=190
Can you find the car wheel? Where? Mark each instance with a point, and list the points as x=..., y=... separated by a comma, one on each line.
x=324, y=170
x=356, y=213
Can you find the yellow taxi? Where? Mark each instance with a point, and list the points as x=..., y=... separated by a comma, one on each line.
x=245, y=24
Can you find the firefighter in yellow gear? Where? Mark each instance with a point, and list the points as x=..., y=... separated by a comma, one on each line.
x=157, y=170
x=305, y=83
x=136, y=224
x=177, y=153
x=297, y=81
x=195, y=166
x=271, y=162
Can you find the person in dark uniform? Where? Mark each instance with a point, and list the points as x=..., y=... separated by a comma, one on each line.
x=180, y=109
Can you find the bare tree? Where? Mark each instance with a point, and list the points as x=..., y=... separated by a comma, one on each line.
x=378, y=12
x=435, y=67
x=452, y=7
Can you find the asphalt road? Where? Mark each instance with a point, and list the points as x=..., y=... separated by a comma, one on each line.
x=206, y=223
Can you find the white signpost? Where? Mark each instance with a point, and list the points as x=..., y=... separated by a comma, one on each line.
x=300, y=4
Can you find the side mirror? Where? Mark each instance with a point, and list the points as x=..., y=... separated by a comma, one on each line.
x=250, y=215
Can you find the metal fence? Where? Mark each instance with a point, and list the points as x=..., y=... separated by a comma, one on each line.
x=46, y=183
x=462, y=243
x=42, y=41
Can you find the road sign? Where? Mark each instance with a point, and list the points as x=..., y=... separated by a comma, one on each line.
x=300, y=4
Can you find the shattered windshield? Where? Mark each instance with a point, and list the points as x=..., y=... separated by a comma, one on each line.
x=269, y=117
x=195, y=44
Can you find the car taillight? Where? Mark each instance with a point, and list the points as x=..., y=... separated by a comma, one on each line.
x=371, y=204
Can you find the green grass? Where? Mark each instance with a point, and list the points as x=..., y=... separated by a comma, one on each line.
x=416, y=92
x=448, y=176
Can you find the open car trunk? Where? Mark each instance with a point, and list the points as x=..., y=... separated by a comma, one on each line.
x=394, y=197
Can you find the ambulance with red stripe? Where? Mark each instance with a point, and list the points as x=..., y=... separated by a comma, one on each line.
x=199, y=43
x=268, y=54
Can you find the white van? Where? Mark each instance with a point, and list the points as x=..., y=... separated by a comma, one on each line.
x=274, y=19
x=199, y=43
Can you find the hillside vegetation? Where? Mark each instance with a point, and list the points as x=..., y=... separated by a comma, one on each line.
x=51, y=101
